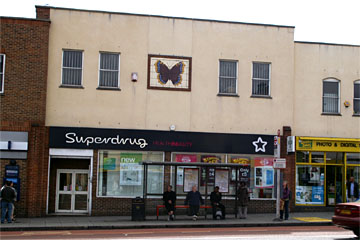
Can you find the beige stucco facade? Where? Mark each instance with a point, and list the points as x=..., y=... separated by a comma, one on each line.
x=314, y=63
x=297, y=71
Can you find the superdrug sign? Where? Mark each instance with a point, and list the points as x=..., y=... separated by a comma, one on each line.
x=150, y=140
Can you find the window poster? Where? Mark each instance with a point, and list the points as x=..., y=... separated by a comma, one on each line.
x=191, y=178
x=264, y=173
x=109, y=163
x=222, y=180
x=211, y=171
x=186, y=158
x=244, y=170
x=310, y=195
x=130, y=169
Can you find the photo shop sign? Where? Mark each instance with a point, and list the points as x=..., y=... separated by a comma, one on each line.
x=152, y=140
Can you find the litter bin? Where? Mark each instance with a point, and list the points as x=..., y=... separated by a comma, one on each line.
x=138, y=209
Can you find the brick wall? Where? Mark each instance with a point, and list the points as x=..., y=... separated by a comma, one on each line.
x=23, y=104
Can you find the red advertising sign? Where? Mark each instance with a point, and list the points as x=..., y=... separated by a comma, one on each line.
x=185, y=158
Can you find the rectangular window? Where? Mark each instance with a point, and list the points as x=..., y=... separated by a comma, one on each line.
x=228, y=77
x=109, y=70
x=72, y=68
x=2, y=72
x=309, y=185
x=261, y=79
x=120, y=173
x=331, y=96
x=357, y=97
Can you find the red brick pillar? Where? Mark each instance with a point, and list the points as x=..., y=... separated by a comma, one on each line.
x=290, y=171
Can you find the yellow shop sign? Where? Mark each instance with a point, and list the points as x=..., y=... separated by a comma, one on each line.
x=328, y=144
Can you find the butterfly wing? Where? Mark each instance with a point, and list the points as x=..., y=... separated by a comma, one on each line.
x=163, y=72
x=175, y=73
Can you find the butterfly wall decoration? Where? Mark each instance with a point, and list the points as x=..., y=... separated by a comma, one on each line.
x=169, y=73
x=165, y=74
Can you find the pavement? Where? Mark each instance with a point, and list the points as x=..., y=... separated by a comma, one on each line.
x=125, y=222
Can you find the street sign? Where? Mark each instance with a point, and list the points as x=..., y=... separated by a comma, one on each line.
x=279, y=163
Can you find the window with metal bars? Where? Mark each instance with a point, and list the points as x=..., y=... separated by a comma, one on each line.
x=331, y=103
x=109, y=70
x=357, y=97
x=261, y=79
x=2, y=72
x=72, y=68
x=228, y=77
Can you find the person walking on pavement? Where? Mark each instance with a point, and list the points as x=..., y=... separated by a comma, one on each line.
x=194, y=199
x=7, y=195
x=169, y=198
x=215, y=198
x=243, y=198
x=352, y=189
x=284, y=201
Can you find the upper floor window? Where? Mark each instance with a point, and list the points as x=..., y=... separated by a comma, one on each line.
x=357, y=97
x=109, y=70
x=228, y=77
x=261, y=79
x=2, y=72
x=72, y=68
x=331, y=93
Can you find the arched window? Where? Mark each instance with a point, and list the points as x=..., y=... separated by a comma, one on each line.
x=331, y=96
x=356, y=103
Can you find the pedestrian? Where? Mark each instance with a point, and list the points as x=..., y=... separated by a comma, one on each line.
x=7, y=195
x=284, y=201
x=194, y=199
x=13, y=206
x=215, y=198
x=243, y=200
x=169, y=198
x=352, y=189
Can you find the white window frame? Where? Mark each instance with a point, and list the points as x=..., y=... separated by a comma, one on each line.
x=236, y=78
x=82, y=68
x=252, y=80
x=356, y=82
x=99, y=67
x=3, y=74
x=338, y=96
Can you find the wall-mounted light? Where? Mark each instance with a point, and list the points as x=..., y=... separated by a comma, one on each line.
x=347, y=104
x=134, y=76
x=172, y=127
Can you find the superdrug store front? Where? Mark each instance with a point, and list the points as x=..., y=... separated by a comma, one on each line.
x=95, y=171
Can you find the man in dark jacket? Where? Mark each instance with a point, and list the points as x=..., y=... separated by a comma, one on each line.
x=7, y=195
x=215, y=198
x=194, y=199
x=169, y=198
x=352, y=190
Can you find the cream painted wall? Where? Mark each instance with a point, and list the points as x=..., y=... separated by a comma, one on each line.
x=314, y=63
x=136, y=107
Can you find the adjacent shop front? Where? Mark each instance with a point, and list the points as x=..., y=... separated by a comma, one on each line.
x=112, y=160
x=323, y=167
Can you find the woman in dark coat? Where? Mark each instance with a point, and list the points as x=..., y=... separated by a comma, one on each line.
x=243, y=200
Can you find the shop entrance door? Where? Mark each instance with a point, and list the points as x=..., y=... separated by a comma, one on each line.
x=72, y=191
x=334, y=186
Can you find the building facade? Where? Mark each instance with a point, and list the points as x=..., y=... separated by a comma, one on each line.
x=23, y=135
x=128, y=89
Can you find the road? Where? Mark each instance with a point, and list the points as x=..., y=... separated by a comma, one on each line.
x=253, y=233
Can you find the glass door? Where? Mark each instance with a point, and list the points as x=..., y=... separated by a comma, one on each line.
x=72, y=191
x=334, y=186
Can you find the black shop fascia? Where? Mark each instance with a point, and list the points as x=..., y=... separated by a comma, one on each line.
x=167, y=141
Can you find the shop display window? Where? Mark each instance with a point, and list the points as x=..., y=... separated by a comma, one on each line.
x=256, y=171
x=310, y=185
x=302, y=157
x=334, y=158
x=120, y=173
x=353, y=158
x=317, y=157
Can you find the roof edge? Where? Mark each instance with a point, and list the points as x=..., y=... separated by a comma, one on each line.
x=27, y=19
x=324, y=43
x=160, y=16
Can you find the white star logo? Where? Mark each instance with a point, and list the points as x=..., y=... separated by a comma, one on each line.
x=258, y=143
